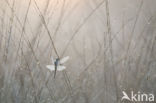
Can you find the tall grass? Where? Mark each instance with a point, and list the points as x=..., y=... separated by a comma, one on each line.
x=108, y=54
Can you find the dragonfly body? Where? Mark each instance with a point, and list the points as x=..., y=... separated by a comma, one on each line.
x=56, y=65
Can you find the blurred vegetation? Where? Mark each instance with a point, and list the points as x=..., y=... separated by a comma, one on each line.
x=111, y=44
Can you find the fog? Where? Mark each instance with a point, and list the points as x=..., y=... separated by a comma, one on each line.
x=111, y=45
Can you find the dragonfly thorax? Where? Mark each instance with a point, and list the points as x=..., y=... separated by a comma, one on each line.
x=57, y=62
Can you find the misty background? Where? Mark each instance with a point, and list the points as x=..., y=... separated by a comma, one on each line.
x=111, y=44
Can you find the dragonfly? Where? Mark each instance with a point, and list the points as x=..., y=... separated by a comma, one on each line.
x=57, y=64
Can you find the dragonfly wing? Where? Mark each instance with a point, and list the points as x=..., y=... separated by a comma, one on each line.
x=63, y=60
x=51, y=67
x=60, y=68
x=52, y=59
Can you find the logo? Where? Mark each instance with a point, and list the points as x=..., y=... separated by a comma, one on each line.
x=137, y=97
